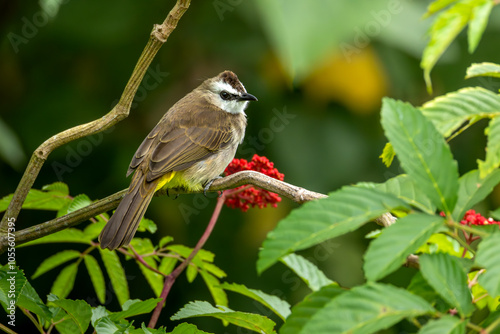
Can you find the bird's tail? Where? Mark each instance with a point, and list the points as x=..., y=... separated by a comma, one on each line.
x=121, y=227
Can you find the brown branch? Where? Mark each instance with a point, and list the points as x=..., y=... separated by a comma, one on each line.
x=385, y=220
x=296, y=194
x=412, y=261
x=158, y=36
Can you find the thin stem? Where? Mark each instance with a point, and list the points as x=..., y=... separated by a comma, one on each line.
x=33, y=320
x=476, y=328
x=7, y=329
x=475, y=300
x=468, y=229
x=492, y=326
x=170, y=279
x=139, y=258
x=460, y=241
x=474, y=280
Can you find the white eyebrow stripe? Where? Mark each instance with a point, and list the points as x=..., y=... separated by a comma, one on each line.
x=221, y=85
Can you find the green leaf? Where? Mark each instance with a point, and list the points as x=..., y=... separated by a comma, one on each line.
x=275, y=304
x=165, y=240
x=12, y=282
x=213, y=269
x=307, y=271
x=70, y=235
x=39, y=200
x=307, y=308
x=479, y=19
x=343, y=211
x=31, y=301
x=254, y=322
x=186, y=328
x=191, y=272
x=373, y=234
x=59, y=187
x=389, y=251
x=201, y=260
x=94, y=229
x=436, y=6
x=167, y=265
x=21, y=293
x=388, y=155
x=443, y=31
x=473, y=189
x=147, y=225
x=51, y=7
x=403, y=187
x=483, y=70
x=449, y=112
x=98, y=313
x=161, y=330
x=492, y=318
x=55, y=260
x=366, y=309
x=480, y=295
x=213, y=285
x=423, y=152
x=11, y=150
x=155, y=280
x=106, y=326
x=445, y=325
x=492, y=160
x=440, y=243
x=96, y=277
x=487, y=257
x=419, y=287
x=78, y=310
x=133, y=307
x=495, y=214
x=65, y=281
x=116, y=274
x=79, y=202
x=67, y=326
x=448, y=278
x=202, y=255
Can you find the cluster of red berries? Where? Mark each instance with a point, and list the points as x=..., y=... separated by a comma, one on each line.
x=473, y=218
x=244, y=196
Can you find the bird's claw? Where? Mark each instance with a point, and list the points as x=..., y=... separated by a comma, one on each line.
x=209, y=184
x=168, y=195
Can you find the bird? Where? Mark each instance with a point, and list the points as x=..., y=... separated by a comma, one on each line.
x=189, y=148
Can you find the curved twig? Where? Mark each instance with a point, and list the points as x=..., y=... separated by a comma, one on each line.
x=158, y=36
x=296, y=194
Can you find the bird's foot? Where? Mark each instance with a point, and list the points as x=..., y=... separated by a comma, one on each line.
x=208, y=184
x=168, y=195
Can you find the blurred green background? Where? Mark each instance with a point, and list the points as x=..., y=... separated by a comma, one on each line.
x=319, y=69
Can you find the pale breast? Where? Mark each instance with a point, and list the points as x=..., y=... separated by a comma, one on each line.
x=213, y=166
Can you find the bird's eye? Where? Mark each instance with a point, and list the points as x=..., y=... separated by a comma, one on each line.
x=225, y=95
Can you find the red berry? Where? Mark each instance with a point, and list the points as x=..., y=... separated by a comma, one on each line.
x=253, y=196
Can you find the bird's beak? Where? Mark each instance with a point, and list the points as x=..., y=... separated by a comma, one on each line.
x=247, y=97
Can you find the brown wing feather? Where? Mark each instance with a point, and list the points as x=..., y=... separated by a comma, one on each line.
x=143, y=149
x=182, y=152
x=177, y=143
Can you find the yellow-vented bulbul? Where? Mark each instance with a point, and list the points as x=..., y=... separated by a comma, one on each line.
x=190, y=146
